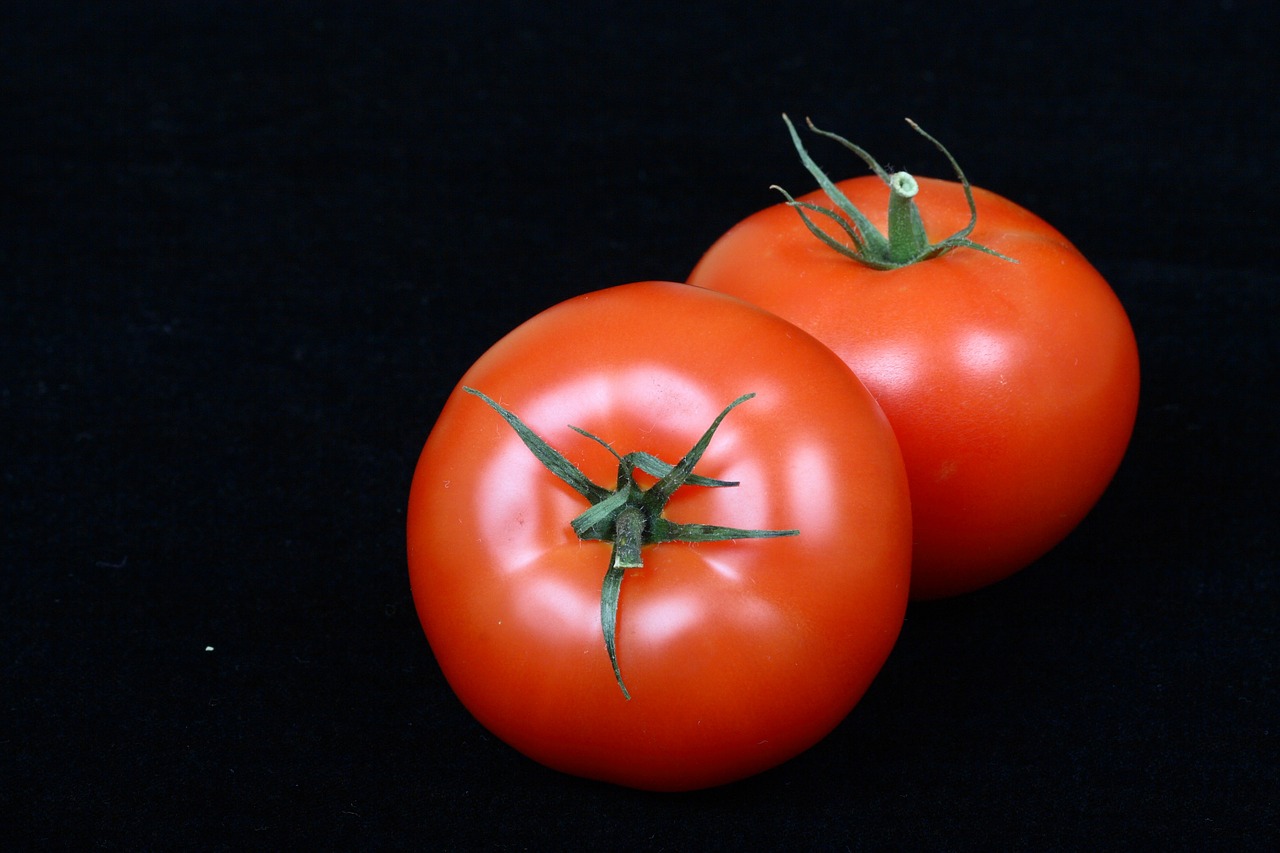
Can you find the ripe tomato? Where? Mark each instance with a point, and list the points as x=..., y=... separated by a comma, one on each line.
x=1012, y=385
x=736, y=654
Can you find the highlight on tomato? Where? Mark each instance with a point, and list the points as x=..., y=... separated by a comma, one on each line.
x=660, y=537
x=1003, y=359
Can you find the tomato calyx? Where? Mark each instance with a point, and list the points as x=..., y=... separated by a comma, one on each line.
x=630, y=515
x=906, y=243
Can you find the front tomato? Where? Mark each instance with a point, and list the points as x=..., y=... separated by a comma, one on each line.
x=737, y=654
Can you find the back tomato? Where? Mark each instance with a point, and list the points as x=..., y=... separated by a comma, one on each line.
x=1012, y=387
x=737, y=654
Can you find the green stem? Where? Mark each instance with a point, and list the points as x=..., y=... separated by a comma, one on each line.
x=906, y=232
x=628, y=536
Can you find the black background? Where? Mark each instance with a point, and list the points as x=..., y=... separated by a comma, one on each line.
x=247, y=249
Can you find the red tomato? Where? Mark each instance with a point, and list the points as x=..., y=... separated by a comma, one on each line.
x=1012, y=387
x=737, y=654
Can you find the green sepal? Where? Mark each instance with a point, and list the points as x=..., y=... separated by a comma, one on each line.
x=655, y=467
x=650, y=464
x=873, y=242
x=597, y=520
x=858, y=251
x=551, y=458
x=609, y=594
x=657, y=496
x=670, y=531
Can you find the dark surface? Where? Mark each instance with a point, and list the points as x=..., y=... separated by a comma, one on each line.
x=246, y=252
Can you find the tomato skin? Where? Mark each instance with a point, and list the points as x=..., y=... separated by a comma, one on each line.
x=738, y=655
x=1012, y=387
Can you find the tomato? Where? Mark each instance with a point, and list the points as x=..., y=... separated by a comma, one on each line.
x=1011, y=382
x=736, y=655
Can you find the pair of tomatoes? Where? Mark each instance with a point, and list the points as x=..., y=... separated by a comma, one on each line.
x=664, y=534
